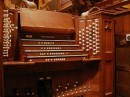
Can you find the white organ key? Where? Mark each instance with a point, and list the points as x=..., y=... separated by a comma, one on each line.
x=97, y=32
x=97, y=51
x=80, y=42
x=97, y=47
x=87, y=28
x=5, y=50
x=94, y=42
x=87, y=38
x=12, y=25
x=87, y=49
x=83, y=40
x=83, y=44
x=6, y=42
x=5, y=24
x=90, y=44
x=7, y=37
x=94, y=53
x=97, y=39
x=80, y=39
x=83, y=37
x=83, y=30
x=87, y=35
x=83, y=48
x=6, y=15
x=97, y=28
x=87, y=42
x=90, y=40
x=83, y=33
x=5, y=20
x=4, y=47
x=90, y=29
x=5, y=55
x=87, y=46
x=15, y=27
x=94, y=38
x=90, y=33
x=6, y=27
x=94, y=46
x=90, y=48
x=97, y=43
x=90, y=36
x=5, y=11
x=80, y=35
x=94, y=34
x=94, y=50
x=90, y=25
x=93, y=30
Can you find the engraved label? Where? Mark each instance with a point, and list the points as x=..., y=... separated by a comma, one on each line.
x=28, y=36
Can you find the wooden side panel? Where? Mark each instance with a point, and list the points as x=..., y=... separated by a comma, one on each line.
x=123, y=71
x=1, y=53
x=108, y=55
x=122, y=84
x=118, y=25
x=122, y=24
x=122, y=27
x=126, y=20
x=122, y=56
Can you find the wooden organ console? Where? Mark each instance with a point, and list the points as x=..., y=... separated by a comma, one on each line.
x=67, y=54
x=39, y=43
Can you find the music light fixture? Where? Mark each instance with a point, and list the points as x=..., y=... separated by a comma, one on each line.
x=30, y=4
x=85, y=14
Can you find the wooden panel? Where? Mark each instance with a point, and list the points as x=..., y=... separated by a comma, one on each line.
x=126, y=20
x=122, y=71
x=123, y=56
x=122, y=78
x=108, y=55
x=46, y=22
x=122, y=27
x=109, y=75
x=76, y=78
x=122, y=84
x=122, y=24
x=122, y=91
x=108, y=36
x=118, y=25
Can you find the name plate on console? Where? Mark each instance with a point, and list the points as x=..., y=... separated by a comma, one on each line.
x=40, y=21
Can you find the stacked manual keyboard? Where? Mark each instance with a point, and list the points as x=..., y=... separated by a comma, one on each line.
x=50, y=49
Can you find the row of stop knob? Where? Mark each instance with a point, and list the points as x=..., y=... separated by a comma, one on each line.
x=89, y=37
x=8, y=29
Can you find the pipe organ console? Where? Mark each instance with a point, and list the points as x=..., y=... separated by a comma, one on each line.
x=44, y=37
x=39, y=42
